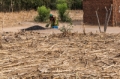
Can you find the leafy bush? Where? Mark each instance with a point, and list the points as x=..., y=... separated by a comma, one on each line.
x=43, y=14
x=62, y=10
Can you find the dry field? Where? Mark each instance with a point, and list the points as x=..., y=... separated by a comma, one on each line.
x=32, y=55
x=18, y=18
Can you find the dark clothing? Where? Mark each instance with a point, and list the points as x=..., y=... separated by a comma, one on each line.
x=52, y=20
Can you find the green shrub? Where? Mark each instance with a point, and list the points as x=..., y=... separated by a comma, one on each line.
x=43, y=14
x=62, y=10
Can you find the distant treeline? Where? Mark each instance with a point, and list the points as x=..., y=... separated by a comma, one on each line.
x=18, y=5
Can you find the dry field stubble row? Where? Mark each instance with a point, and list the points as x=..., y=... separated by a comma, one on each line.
x=16, y=18
x=31, y=55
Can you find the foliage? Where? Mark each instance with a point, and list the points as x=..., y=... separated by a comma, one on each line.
x=43, y=14
x=62, y=8
x=76, y=4
x=52, y=4
x=18, y=5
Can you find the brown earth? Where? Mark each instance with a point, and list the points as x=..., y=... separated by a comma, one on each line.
x=32, y=55
x=14, y=22
x=43, y=54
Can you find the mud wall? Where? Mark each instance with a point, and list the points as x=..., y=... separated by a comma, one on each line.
x=116, y=12
x=89, y=8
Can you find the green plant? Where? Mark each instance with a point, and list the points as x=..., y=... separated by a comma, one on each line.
x=62, y=8
x=66, y=29
x=43, y=14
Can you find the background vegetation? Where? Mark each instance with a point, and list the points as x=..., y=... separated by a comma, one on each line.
x=43, y=14
x=18, y=5
x=62, y=8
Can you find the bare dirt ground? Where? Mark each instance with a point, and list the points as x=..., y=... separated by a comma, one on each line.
x=32, y=55
x=49, y=54
x=14, y=22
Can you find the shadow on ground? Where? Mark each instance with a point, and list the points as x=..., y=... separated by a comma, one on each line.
x=35, y=27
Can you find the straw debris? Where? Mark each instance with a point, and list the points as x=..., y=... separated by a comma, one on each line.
x=27, y=55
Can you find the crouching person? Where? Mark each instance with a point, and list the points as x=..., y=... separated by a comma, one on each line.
x=53, y=21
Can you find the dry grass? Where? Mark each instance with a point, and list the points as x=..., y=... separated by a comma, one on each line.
x=16, y=18
x=31, y=55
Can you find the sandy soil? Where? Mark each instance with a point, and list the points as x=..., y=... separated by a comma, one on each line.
x=32, y=55
x=50, y=54
x=76, y=28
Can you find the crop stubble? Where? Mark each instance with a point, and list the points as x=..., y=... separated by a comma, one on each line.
x=31, y=55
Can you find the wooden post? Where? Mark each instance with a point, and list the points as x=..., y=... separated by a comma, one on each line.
x=84, y=29
x=109, y=16
x=106, y=19
x=98, y=20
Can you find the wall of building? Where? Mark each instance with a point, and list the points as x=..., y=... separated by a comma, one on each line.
x=89, y=8
x=116, y=12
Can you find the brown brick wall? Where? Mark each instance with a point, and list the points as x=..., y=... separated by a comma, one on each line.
x=89, y=8
x=116, y=12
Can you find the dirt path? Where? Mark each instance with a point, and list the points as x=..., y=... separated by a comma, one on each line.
x=77, y=28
